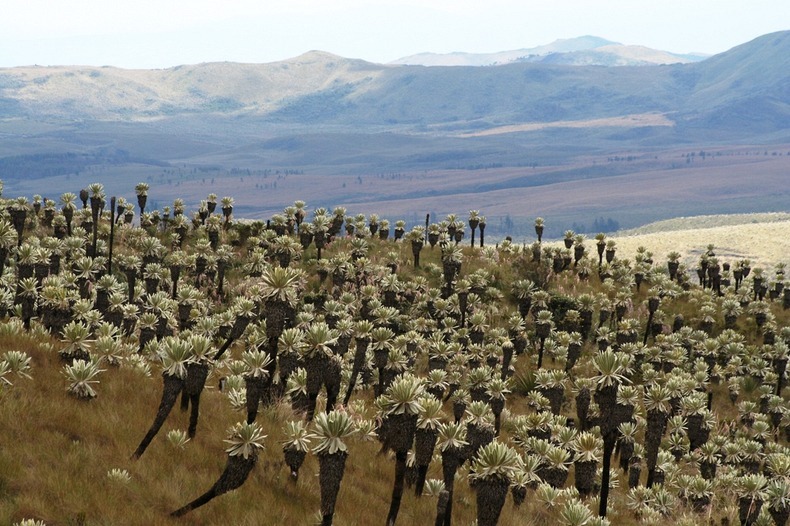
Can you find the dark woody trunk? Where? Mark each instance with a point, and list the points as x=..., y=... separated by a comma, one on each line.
x=237, y=469
x=172, y=386
x=193, y=387
x=491, y=493
x=330, y=475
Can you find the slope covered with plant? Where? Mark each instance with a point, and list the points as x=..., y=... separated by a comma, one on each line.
x=325, y=367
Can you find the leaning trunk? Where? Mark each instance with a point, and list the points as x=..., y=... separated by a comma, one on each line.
x=749, y=510
x=359, y=363
x=583, y=407
x=656, y=423
x=451, y=458
x=237, y=469
x=332, y=379
x=397, y=487
x=315, y=366
x=608, y=447
x=193, y=387
x=171, y=388
x=399, y=437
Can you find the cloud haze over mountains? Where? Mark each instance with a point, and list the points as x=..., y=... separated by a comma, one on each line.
x=580, y=51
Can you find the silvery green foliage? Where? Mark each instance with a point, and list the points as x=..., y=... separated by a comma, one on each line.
x=244, y=439
x=178, y=438
x=81, y=376
x=119, y=475
x=330, y=429
x=495, y=460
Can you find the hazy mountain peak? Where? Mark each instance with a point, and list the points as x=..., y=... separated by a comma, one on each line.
x=587, y=50
x=315, y=55
x=565, y=45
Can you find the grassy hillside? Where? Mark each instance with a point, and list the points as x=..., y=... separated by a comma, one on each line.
x=761, y=238
x=705, y=222
x=59, y=452
x=108, y=93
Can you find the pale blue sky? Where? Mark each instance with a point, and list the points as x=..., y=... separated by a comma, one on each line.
x=164, y=33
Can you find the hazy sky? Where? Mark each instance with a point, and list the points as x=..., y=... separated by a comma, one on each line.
x=164, y=33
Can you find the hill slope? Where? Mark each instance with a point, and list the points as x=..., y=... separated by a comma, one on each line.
x=764, y=239
x=594, y=50
x=570, y=143
x=322, y=88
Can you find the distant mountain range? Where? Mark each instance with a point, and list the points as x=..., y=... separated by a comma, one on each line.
x=580, y=51
x=745, y=90
x=549, y=132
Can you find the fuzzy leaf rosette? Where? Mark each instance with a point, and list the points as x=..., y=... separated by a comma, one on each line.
x=244, y=439
x=330, y=429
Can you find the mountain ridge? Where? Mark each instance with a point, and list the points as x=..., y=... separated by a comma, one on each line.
x=584, y=50
x=322, y=88
x=568, y=143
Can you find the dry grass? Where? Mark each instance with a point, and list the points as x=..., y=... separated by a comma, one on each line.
x=625, y=121
x=706, y=221
x=57, y=451
x=765, y=244
x=763, y=239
